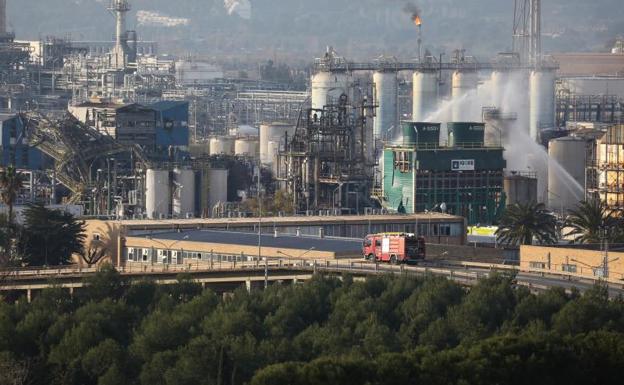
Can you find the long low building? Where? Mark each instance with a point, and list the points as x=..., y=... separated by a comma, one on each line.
x=211, y=247
x=580, y=260
x=437, y=228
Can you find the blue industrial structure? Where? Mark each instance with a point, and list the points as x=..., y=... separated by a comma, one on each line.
x=172, y=128
x=14, y=147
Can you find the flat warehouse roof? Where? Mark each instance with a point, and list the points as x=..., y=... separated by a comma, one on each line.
x=251, y=239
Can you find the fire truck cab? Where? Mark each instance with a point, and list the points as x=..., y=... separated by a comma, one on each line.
x=394, y=248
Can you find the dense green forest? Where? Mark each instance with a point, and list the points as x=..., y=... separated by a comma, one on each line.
x=327, y=331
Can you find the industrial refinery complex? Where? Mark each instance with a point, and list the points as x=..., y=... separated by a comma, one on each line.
x=120, y=132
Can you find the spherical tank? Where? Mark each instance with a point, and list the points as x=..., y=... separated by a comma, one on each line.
x=425, y=95
x=386, y=91
x=568, y=155
x=223, y=145
x=542, y=102
x=218, y=190
x=463, y=82
x=246, y=147
x=327, y=88
x=184, y=192
x=157, y=193
x=272, y=133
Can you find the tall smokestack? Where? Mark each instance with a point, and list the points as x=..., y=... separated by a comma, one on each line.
x=415, y=14
x=120, y=8
x=3, y=28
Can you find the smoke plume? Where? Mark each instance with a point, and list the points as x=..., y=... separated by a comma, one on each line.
x=414, y=12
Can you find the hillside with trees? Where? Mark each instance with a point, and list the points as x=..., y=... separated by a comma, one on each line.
x=327, y=331
x=300, y=29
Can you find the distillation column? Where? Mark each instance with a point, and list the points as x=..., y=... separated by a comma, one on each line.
x=425, y=95
x=463, y=83
x=542, y=101
x=386, y=93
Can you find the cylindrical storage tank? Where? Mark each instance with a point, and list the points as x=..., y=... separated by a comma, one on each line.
x=223, y=145
x=500, y=83
x=466, y=134
x=425, y=95
x=462, y=82
x=542, y=102
x=218, y=187
x=272, y=153
x=274, y=132
x=386, y=90
x=246, y=147
x=199, y=149
x=327, y=87
x=422, y=134
x=566, y=173
x=520, y=189
x=157, y=193
x=184, y=192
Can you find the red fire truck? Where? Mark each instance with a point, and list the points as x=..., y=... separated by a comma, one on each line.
x=394, y=248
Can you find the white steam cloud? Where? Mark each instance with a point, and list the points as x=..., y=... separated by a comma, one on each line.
x=157, y=19
x=242, y=8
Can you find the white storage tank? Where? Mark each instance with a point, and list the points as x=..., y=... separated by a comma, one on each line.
x=184, y=192
x=327, y=87
x=218, y=187
x=462, y=83
x=542, y=102
x=425, y=95
x=222, y=145
x=386, y=90
x=157, y=193
x=274, y=132
x=565, y=191
x=246, y=147
x=500, y=82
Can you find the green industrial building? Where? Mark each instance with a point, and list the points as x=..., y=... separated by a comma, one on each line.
x=464, y=178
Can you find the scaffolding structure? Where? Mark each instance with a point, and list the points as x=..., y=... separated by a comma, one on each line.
x=588, y=108
x=76, y=148
x=605, y=171
x=327, y=165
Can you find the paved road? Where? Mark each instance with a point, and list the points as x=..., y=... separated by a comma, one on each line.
x=289, y=269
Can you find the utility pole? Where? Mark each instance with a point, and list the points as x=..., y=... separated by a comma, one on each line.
x=266, y=259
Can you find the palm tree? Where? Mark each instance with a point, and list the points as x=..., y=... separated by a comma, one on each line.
x=11, y=182
x=521, y=223
x=591, y=221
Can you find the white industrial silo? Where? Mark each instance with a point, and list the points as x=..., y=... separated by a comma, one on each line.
x=462, y=83
x=327, y=87
x=500, y=82
x=542, y=102
x=157, y=193
x=566, y=172
x=246, y=147
x=425, y=95
x=222, y=145
x=386, y=92
x=184, y=192
x=274, y=132
x=218, y=187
